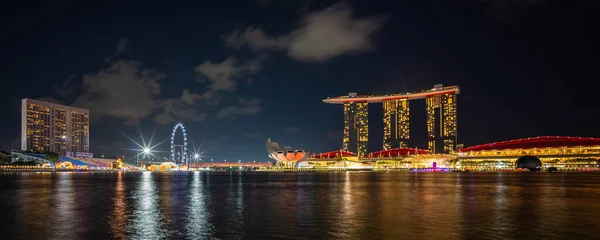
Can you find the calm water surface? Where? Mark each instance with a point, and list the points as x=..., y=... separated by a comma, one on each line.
x=194, y=205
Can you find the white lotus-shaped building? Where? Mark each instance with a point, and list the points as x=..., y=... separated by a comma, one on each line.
x=285, y=155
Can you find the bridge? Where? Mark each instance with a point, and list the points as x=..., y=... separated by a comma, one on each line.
x=217, y=164
x=232, y=164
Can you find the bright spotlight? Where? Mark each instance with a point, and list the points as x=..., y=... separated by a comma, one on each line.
x=196, y=155
x=146, y=150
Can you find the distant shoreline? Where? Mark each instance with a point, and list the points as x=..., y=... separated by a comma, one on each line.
x=298, y=170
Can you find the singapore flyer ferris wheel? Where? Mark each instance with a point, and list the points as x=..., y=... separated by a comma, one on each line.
x=183, y=147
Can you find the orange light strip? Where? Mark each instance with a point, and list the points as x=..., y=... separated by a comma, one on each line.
x=377, y=99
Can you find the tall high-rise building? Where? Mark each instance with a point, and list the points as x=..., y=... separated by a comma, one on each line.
x=356, y=127
x=396, y=123
x=53, y=127
x=441, y=119
x=441, y=123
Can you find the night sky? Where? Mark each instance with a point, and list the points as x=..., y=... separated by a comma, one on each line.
x=237, y=72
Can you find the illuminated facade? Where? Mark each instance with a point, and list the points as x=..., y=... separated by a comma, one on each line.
x=570, y=153
x=441, y=123
x=356, y=127
x=396, y=124
x=53, y=127
x=441, y=108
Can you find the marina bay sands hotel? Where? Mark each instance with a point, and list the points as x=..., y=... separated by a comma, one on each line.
x=441, y=119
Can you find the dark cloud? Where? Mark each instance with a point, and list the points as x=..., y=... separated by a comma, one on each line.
x=245, y=108
x=188, y=97
x=221, y=76
x=123, y=90
x=127, y=91
x=179, y=109
x=320, y=36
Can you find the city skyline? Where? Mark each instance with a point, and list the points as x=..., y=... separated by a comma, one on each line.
x=234, y=76
x=299, y=119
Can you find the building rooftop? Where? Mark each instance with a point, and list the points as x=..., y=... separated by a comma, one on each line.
x=535, y=142
x=56, y=105
x=397, y=152
x=334, y=154
x=438, y=90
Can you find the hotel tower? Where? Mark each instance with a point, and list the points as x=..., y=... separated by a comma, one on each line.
x=441, y=107
x=53, y=127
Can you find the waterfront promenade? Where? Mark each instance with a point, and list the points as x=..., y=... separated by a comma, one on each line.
x=9, y=168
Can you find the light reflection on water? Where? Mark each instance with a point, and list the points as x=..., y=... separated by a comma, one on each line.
x=64, y=204
x=119, y=216
x=200, y=205
x=234, y=201
x=27, y=192
x=346, y=225
x=198, y=225
x=147, y=218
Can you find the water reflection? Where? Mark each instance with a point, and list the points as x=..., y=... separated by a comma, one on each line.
x=169, y=203
x=30, y=222
x=235, y=202
x=305, y=205
x=346, y=224
x=198, y=225
x=498, y=216
x=147, y=219
x=65, y=214
x=119, y=215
